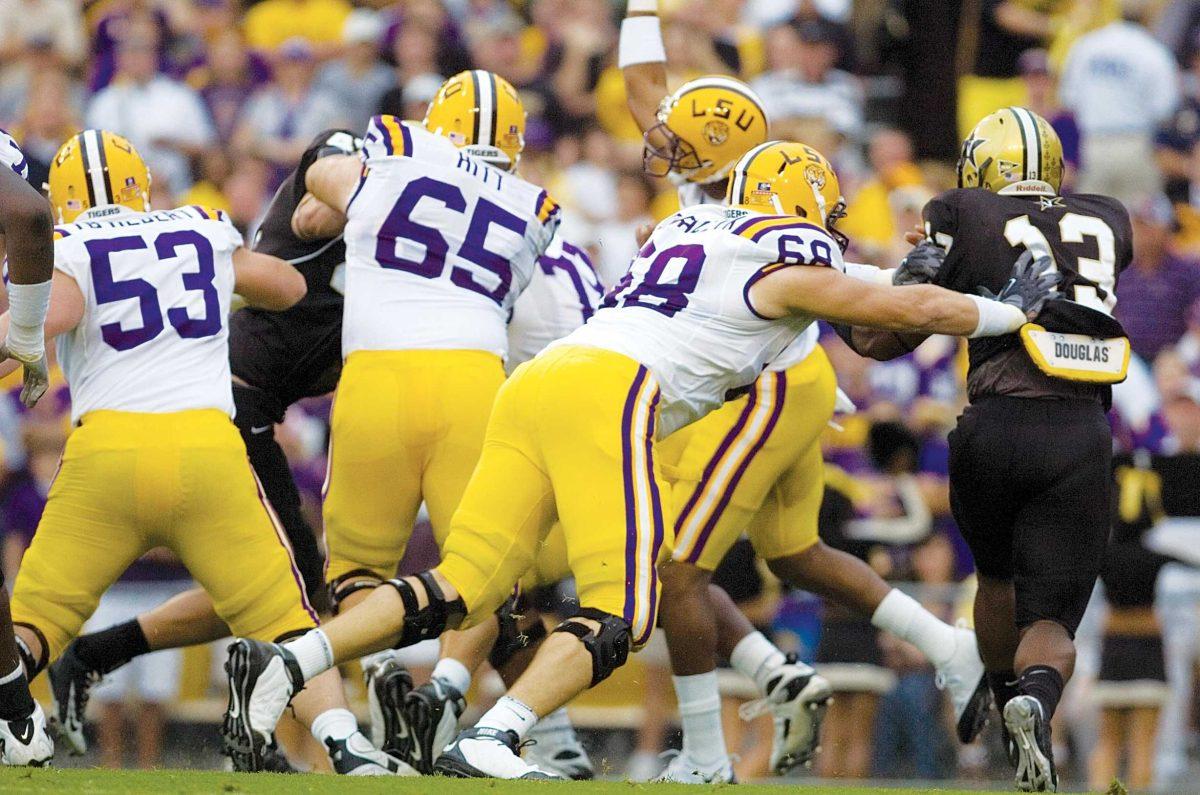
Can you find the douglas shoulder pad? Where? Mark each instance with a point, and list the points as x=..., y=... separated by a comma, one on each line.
x=1077, y=357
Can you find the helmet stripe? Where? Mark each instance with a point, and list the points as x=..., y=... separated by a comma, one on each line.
x=93, y=165
x=1030, y=142
x=739, y=174
x=110, y=195
x=485, y=107
x=84, y=163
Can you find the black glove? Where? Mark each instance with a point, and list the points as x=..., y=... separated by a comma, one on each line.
x=1033, y=283
x=921, y=266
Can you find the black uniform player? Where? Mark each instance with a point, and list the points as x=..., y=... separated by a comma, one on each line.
x=276, y=359
x=1030, y=460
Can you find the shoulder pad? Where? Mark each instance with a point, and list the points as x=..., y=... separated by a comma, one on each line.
x=789, y=240
x=546, y=208
x=387, y=136
x=207, y=213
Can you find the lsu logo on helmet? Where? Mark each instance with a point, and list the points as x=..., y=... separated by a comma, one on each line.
x=95, y=168
x=703, y=128
x=1012, y=151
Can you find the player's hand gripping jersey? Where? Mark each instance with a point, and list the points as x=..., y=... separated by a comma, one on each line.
x=438, y=245
x=156, y=290
x=563, y=293
x=683, y=310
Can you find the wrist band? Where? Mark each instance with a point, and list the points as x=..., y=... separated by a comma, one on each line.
x=996, y=318
x=27, y=305
x=869, y=273
x=642, y=7
x=641, y=42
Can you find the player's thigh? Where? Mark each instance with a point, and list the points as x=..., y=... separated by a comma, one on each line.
x=85, y=540
x=597, y=429
x=231, y=542
x=376, y=460
x=469, y=391
x=787, y=523
x=505, y=511
x=550, y=564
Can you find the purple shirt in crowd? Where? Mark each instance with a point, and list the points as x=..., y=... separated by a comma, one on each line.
x=1153, y=305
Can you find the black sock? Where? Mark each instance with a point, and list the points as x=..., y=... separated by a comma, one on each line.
x=109, y=649
x=1004, y=687
x=15, y=701
x=1043, y=683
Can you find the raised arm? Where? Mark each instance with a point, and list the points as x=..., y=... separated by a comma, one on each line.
x=267, y=282
x=643, y=61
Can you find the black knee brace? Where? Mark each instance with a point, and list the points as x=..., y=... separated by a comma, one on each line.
x=33, y=666
x=609, y=647
x=513, y=636
x=340, y=587
x=431, y=620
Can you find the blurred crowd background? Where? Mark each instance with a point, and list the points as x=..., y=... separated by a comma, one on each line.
x=222, y=96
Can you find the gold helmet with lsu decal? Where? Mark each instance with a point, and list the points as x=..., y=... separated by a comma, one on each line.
x=1012, y=151
x=94, y=168
x=789, y=178
x=703, y=128
x=482, y=114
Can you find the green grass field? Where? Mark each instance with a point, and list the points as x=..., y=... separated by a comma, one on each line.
x=187, y=781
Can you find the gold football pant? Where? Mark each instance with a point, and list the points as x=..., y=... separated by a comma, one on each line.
x=753, y=466
x=130, y=482
x=407, y=426
x=571, y=437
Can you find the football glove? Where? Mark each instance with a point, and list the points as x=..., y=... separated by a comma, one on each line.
x=36, y=379
x=1033, y=283
x=921, y=266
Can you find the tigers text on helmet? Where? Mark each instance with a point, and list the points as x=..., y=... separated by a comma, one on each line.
x=482, y=114
x=705, y=126
x=94, y=168
x=1013, y=151
x=789, y=178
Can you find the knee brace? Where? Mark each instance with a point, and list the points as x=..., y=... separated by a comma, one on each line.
x=430, y=621
x=33, y=666
x=513, y=637
x=609, y=647
x=340, y=587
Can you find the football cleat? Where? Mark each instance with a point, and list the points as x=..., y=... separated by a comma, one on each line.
x=681, y=769
x=263, y=677
x=431, y=712
x=388, y=685
x=487, y=753
x=1029, y=730
x=558, y=750
x=71, y=682
x=798, y=698
x=25, y=742
x=963, y=679
x=356, y=756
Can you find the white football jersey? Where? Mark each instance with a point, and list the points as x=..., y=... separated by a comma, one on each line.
x=563, y=293
x=156, y=289
x=11, y=156
x=693, y=195
x=438, y=245
x=683, y=309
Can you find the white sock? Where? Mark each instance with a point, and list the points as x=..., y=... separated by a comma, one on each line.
x=756, y=657
x=700, y=718
x=904, y=617
x=334, y=724
x=556, y=721
x=509, y=714
x=313, y=652
x=453, y=673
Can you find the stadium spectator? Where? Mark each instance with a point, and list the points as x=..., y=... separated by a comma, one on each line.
x=116, y=21
x=1041, y=90
x=165, y=119
x=50, y=116
x=227, y=78
x=19, y=85
x=357, y=80
x=1121, y=84
x=1156, y=292
x=616, y=237
x=272, y=23
x=56, y=25
x=415, y=51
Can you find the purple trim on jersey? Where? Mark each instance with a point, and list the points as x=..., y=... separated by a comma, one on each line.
x=631, y=528
x=711, y=466
x=797, y=225
x=723, y=502
x=62, y=231
x=758, y=274
x=406, y=136
x=656, y=504
x=362, y=180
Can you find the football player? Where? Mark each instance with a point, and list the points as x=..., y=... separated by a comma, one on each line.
x=441, y=237
x=276, y=358
x=138, y=305
x=754, y=466
x=1030, y=471
x=26, y=238
x=574, y=437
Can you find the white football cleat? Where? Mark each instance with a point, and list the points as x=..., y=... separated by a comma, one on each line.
x=355, y=756
x=487, y=753
x=798, y=697
x=963, y=679
x=26, y=742
x=263, y=677
x=558, y=750
x=1029, y=732
x=683, y=770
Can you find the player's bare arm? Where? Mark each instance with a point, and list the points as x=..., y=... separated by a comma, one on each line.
x=64, y=313
x=27, y=229
x=643, y=62
x=267, y=282
x=332, y=180
x=316, y=220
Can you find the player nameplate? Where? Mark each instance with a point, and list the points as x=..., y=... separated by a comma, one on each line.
x=1077, y=357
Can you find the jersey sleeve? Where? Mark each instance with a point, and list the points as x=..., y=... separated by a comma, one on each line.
x=12, y=157
x=387, y=136
x=544, y=225
x=221, y=230
x=777, y=241
x=71, y=257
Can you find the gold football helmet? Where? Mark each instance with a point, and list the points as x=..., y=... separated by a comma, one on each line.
x=789, y=178
x=94, y=168
x=1012, y=151
x=705, y=126
x=482, y=114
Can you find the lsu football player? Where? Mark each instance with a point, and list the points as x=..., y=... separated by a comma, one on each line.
x=441, y=237
x=754, y=466
x=26, y=239
x=714, y=295
x=139, y=305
